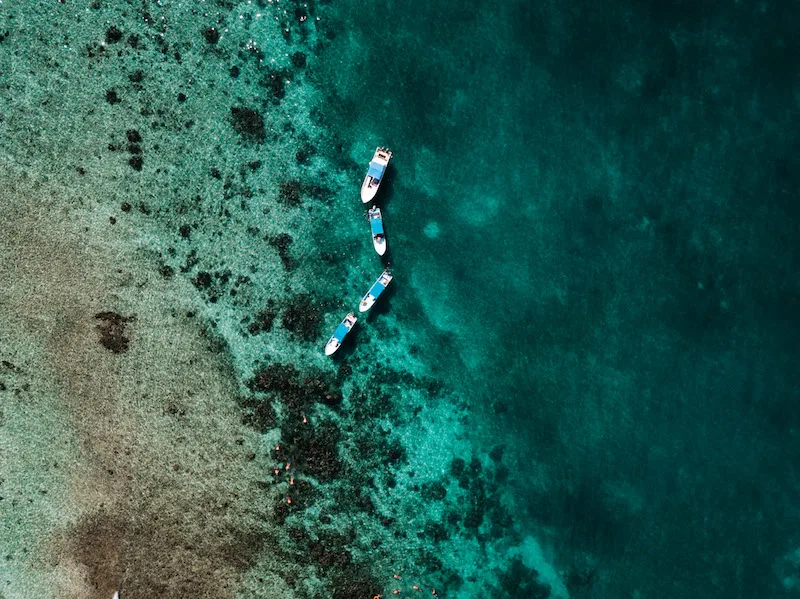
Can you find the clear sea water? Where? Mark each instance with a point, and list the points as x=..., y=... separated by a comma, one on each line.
x=582, y=383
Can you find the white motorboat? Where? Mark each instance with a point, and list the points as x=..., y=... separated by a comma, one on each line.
x=335, y=342
x=375, y=291
x=378, y=234
x=377, y=168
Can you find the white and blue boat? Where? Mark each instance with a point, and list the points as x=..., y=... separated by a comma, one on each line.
x=335, y=342
x=375, y=291
x=377, y=168
x=378, y=234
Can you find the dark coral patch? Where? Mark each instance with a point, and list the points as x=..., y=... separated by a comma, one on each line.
x=248, y=123
x=275, y=82
x=112, y=331
x=315, y=449
x=289, y=193
x=295, y=392
x=113, y=35
x=477, y=505
x=202, y=280
x=299, y=59
x=302, y=317
x=282, y=243
x=434, y=491
x=521, y=581
x=263, y=321
x=328, y=554
x=263, y=417
x=354, y=585
x=497, y=453
x=211, y=34
x=275, y=378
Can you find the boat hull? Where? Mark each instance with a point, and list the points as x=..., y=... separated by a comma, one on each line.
x=380, y=246
x=368, y=190
x=366, y=303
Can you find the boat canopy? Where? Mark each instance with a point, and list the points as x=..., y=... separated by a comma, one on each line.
x=377, y=289
x=376, y=170
x=377, y=226
x=340, y=332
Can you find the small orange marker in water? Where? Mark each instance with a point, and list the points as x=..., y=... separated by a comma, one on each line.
x=396, y=592
x=416, y=588
x=397, y=577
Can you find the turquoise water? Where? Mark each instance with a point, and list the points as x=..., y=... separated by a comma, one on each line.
x=581, y=383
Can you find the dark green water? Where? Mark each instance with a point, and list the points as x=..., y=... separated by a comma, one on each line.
x=583, y=382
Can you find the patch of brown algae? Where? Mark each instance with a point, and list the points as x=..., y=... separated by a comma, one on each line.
x=158, y=490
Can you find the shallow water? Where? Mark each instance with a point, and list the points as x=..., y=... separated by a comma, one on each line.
x=581, y=382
